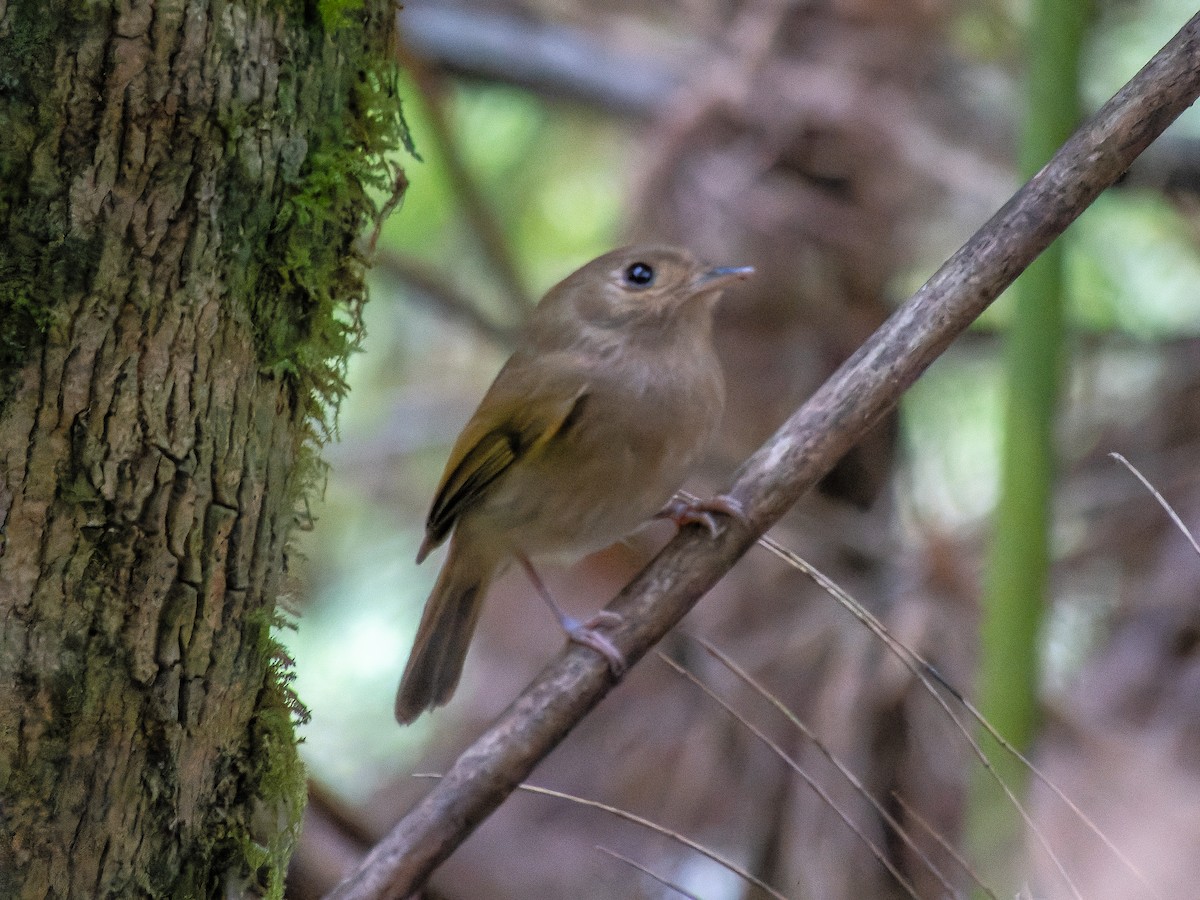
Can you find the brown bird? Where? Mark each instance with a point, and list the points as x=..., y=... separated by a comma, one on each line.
x=593, y=423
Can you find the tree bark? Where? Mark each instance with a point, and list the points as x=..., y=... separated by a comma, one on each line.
x=181, y=187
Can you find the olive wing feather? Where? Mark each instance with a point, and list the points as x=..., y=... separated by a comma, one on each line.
x=498, y=436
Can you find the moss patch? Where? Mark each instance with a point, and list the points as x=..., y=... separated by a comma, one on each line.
x=38, y=258
x=279, y=786
x=302, y=276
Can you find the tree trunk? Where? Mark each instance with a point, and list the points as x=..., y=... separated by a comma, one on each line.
x=181, y=186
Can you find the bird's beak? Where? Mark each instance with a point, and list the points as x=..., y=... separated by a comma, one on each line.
x=723, y=275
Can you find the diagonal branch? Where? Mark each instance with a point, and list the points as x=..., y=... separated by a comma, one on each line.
x=788, y=465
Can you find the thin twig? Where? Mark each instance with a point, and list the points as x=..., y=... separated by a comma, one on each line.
x=645, y=823
x=941, y=839
x=860, y=393
x=799, y=724
x=1162, y=501
x=1042, y=777
x=923, y=672
x=647, y=872
x=798, y=769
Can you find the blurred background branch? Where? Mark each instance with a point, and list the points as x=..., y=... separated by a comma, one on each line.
x=570, y=63
x=431, y=88
x=559, y=61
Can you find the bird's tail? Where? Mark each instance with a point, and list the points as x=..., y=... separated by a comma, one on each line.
x=440, y=648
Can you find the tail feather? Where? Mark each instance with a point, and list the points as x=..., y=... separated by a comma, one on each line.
x=444, y=635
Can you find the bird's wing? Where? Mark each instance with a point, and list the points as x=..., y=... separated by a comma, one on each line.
x=516, y=419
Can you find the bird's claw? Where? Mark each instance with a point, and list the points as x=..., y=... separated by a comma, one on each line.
x=586, y=633
x=683, y=511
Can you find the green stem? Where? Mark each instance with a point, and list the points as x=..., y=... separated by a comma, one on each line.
x=1019, y=558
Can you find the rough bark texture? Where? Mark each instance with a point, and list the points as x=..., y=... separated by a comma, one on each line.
x=180, y=188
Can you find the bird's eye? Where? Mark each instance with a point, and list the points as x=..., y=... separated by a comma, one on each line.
x=639, y=274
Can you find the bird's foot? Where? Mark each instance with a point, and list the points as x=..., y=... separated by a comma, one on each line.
x=684, y=511
x=587, y=634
